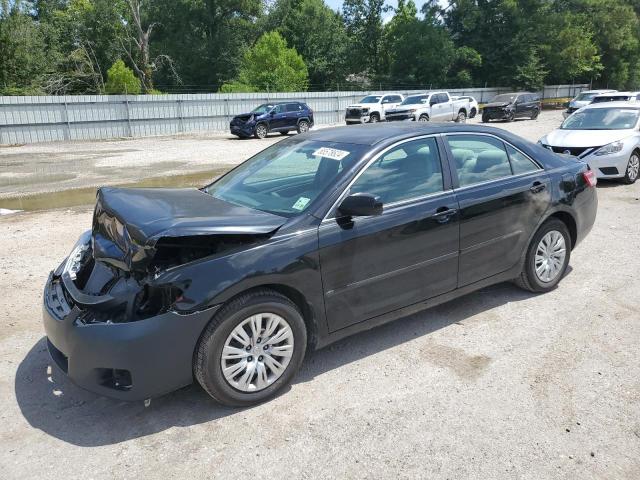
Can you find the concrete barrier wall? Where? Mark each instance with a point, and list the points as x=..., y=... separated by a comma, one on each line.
x=31, y=119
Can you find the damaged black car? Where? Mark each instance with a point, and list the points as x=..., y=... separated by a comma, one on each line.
x=318, y=237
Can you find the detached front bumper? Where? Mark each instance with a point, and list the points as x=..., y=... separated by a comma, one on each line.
x=242, y=130
x=496, y=114
x=127, y=361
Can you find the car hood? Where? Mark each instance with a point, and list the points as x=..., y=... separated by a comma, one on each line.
x=585, y=138
x=405, y=108
x=128, y=222
x=496, y=104
x=579, y=103
x=362, y=105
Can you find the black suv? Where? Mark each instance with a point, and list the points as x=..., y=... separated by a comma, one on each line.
x=509, y=106
x=273, y=117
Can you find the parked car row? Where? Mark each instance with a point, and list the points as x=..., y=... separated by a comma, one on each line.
x=587, y=97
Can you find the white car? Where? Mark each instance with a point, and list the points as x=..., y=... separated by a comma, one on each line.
x=583, y=99
x=473, y=104
x=616, y=97
x=430, y=107
x=604, y=135
x=372, y=108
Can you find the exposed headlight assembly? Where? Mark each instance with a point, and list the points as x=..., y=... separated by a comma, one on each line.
x=614, y=147
x=76, y=258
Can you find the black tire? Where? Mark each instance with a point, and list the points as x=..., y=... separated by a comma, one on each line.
x=284, y=133
x=473, y=113
x=528, y=279
x=536, y=112
x=374, y=118
x=303, y=126
x=509, y=116
x=462, y=117
x=207, y=368
x=423, y=118
x=261, y=131
x=631, y=174
x=485, y=118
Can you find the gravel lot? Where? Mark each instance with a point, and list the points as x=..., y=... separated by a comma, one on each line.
x=497, y=384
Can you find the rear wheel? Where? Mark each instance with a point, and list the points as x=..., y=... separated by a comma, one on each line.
x=261, y=131
x=303, y=126
x=633, y=168
x=251, y=349
x=547, y=257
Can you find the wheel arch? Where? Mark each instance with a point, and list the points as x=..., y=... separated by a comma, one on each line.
x=570, y=222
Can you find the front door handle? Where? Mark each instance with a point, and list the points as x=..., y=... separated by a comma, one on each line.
x=537, y=187
x=443, y=214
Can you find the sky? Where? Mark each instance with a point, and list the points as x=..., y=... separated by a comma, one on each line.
x=337, y=4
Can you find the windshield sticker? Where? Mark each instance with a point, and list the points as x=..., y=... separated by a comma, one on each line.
x=331, y=153
x=300, y=203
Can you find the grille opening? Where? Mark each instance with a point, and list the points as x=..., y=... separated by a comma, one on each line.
x=115, y=378
x=609, y=170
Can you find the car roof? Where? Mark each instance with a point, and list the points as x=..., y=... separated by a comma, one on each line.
x=618, y=94
x=373, y=134
x=598, y=91
x=619, y=103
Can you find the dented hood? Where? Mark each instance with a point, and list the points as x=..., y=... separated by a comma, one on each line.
x=128, y=222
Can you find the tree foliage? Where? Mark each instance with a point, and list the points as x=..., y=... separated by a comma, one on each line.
x=121, y=79
x=67, y=46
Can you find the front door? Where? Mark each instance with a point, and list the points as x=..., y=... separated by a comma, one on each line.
x=502, y=194
x=374, y=265
x=278, y=118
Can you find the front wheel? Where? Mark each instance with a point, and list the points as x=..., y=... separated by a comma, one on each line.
x=423, y=118
x=509, y=116
x=547, y=257
x=633, y=168
x=374, y=118
x=303, y=126
x=535, y=114
x=261, y=131
x=251, y=349
x=462, y=117
x=485, y=118
x=472, y=113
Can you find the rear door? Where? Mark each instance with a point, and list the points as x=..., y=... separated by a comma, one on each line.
x=502, y=195
x=374, y=265
x=294, y=112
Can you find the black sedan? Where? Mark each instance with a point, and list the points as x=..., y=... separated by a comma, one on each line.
x=320, y=236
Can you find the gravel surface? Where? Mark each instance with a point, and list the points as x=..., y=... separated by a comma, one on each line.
x=497, y=384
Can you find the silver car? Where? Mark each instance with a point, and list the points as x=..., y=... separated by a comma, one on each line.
x=582, y=100
x=605, y=135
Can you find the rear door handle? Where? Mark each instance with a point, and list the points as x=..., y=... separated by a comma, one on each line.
x=538, y=187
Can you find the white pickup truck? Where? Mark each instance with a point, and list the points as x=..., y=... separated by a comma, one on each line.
x=372, y=108
x=430, y=106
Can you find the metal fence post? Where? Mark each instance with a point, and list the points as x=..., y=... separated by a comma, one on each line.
x=126, y=102
x=180, y=122
x=67, y=134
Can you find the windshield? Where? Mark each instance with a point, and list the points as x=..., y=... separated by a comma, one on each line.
x=602, y=119
x=264, y=108
x=371, y=99
x=585, y=97
x=287, y=177
x=610, y=98
x=504, y=98
x=415, y=100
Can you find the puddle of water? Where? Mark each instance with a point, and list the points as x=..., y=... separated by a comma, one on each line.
x=86, y=196
x=35, y=179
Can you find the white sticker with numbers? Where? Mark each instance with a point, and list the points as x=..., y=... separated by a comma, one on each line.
x=332, y=153
x=300, y=203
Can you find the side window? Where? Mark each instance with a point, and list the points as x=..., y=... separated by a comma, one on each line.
x=434, y=100
x=397, y=99
x=293, y=107
x=443, y=98
x=520, y=163
x=279, y=108
x=407, y=171
x=478, y=158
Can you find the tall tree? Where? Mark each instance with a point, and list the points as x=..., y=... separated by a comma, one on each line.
x=363, y=20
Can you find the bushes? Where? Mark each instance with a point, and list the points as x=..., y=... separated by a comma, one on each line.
x=121, y=79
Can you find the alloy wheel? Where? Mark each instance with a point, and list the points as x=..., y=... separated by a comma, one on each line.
x=423, y=118
x=633, y=167
x=303, y=127
x=257, y=352
x=550, y=256
x=261, y=131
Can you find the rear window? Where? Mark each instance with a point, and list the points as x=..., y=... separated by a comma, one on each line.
x=294, y=107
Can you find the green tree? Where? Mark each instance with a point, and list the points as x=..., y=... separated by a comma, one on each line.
x=317, y=33
x=530, y=74
x=121, y=79
x=363, y=21
x=271, y=66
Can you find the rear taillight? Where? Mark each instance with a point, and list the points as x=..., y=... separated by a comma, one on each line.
x=590, y=178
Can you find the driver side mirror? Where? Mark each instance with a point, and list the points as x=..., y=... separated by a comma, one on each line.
x=360, y=205
x=432, y=102
x=272, y=112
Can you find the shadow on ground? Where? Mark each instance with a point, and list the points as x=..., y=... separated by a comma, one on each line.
x=51, y=403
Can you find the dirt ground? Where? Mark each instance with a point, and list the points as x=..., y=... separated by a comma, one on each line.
x=497, y=384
